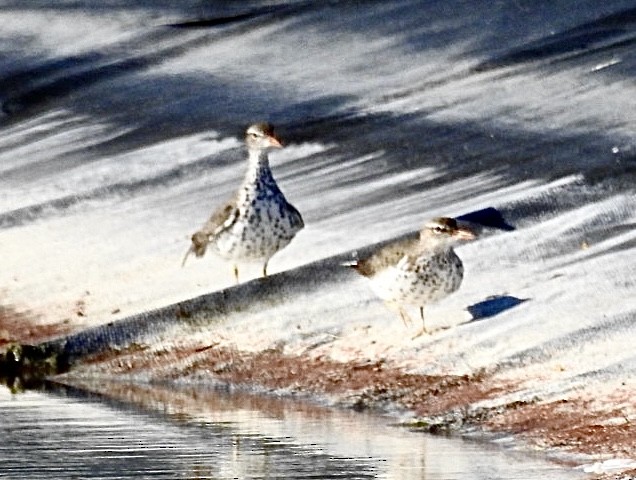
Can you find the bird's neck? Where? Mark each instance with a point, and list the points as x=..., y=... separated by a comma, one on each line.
x=258, y=171
x=433, y=245
x=257, y=162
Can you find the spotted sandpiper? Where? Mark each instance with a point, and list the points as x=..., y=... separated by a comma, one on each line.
x=258, y=221
x=417, y=271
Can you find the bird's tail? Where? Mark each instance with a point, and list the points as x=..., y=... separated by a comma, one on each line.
x=199, y=245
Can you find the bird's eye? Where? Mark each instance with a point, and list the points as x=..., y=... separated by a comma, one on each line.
x=253, y=135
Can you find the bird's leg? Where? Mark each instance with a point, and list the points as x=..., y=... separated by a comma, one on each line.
x=393, y=306
x=423, y=330
x=236, y=276
x=265, y=268
x=406, y=319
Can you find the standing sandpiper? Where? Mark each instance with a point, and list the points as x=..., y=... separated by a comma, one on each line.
x=258, y=221
x=417, y=271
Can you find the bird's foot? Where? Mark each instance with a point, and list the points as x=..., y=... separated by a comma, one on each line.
x=421, y=332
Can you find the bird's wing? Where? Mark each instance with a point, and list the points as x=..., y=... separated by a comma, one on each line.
x=222, y=219
x=297, y=218
x=389, y=255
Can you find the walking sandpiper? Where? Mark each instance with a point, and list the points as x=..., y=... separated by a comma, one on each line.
x=417, y=271
x=258, y=221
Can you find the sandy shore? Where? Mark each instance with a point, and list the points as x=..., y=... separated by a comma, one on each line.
x=122, y=131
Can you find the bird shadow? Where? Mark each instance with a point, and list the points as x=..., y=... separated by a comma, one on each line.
x=487, y=217
x=493, y=306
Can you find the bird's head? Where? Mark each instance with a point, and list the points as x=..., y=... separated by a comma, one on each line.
x=260, y=136
x=442, y=231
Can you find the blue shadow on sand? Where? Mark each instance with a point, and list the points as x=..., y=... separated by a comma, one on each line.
x=487, y=217
x=493, y=306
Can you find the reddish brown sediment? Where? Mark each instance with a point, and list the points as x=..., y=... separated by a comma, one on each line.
x=17, y=327
x=572, y=425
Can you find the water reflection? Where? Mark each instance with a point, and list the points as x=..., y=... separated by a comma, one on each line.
x=143, y=432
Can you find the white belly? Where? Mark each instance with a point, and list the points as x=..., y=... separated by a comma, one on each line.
x=434, y=280
x=257, y=234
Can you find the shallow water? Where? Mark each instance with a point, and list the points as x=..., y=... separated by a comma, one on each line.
x=204, y=434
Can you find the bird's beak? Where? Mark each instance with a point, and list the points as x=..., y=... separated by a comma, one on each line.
x=464, y=233
x=274, y=142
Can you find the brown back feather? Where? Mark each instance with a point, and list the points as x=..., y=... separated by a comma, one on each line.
x=386, y=256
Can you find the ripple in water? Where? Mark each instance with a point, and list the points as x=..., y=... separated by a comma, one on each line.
x=161, y=433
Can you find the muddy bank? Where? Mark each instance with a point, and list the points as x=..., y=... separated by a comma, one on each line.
x=20, y=327
x=575, y=430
